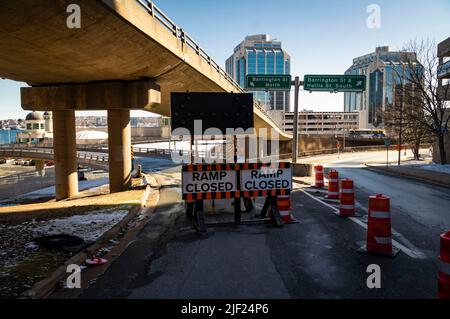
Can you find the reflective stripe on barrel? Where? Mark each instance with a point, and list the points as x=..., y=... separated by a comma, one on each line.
x=378, y=214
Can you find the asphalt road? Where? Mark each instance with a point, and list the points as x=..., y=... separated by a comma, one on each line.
x=315, y=258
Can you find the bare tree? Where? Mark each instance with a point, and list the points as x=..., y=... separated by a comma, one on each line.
x=401, y=120
x=420, y=90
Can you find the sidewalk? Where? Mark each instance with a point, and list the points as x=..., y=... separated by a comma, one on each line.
x=423, y=175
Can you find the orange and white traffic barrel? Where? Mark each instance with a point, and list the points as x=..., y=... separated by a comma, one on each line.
x=284, y=207
x=444, y=267
x=347, y=198
x=318, y=169
x=333, y=184
x=379, y=233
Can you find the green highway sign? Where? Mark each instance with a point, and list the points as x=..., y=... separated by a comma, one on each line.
x=335, y=83
x=268, y=82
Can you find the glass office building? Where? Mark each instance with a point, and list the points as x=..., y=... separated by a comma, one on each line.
x=384, y=70
x=257, y=54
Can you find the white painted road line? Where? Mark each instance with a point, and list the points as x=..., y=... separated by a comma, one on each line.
x=411, y=253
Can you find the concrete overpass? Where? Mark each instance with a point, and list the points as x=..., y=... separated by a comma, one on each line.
x=126, y=55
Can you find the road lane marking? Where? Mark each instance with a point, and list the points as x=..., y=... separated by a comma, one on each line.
x=411, y=253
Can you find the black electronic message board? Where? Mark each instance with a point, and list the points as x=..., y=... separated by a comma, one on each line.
x=219, y=110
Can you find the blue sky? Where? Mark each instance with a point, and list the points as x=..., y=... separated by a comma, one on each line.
x=321, y=36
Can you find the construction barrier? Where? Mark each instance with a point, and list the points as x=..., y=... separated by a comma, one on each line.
x=444, y=269
x=333, y=185
x=284, y=207
x=379, y=233
x=273, y=181
x=347, y=199
x=319, y=176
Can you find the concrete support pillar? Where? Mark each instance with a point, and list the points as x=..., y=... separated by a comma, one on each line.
x=65, y=154
x=119, y=144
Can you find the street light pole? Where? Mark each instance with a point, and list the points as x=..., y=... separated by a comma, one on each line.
x=296, y=84
x=401, y=128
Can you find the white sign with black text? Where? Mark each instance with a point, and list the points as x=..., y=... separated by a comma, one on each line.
x=266, y=179
x=208, y=182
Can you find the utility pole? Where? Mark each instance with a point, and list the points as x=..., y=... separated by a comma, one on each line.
x=296, y=84
x=343, y=134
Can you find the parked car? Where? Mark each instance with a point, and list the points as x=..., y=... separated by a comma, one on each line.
x=49, y=163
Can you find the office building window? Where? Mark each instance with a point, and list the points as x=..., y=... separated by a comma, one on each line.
x=270, y=62
x=279, y=102
x=279, y=61
x=251, y=62
x=261, y=61
x=242, y=72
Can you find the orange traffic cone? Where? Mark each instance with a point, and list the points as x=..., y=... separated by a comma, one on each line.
x=347, y=199
x=284, y=207
x=379, y=233
x=319, y=176
x=444, y=269
x=333, y=185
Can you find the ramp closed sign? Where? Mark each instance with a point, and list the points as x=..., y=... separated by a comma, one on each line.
x=208, y=181
x=266, y=178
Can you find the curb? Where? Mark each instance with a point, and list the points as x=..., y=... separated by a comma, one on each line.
x=386, y=171
x=45, y=287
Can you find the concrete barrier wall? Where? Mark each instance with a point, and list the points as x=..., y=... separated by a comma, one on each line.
x=313, y=143
x=301, y=170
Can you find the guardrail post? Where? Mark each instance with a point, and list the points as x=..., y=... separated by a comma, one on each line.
x=152, y=9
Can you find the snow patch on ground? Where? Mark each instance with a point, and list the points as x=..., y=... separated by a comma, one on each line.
x=88, y=226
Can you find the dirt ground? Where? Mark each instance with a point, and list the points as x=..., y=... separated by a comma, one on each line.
x=89, y=200
x=23, y=262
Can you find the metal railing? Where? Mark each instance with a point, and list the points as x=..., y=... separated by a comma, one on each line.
x=185, y=38
x=88, y=153
x=25, y=151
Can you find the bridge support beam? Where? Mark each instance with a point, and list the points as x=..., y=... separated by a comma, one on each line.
x=119, y=144
x=65, y=154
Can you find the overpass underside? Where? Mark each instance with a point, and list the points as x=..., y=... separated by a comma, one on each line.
x=124, y=56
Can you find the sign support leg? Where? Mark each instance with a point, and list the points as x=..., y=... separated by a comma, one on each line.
x=237, y=210
x=265, y=208
x=275, y=213
x=199, y=219
x=295, y=133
